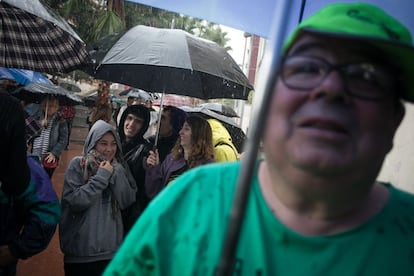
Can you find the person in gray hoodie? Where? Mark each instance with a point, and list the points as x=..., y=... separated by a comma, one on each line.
x=97, y=186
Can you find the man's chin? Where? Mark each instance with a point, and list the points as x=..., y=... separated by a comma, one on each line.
x=323, y=167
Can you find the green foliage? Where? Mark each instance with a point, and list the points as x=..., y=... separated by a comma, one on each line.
x=78, y=14
x=137, y=14
x=95, y=19
x=214, y=33
x=107, y=23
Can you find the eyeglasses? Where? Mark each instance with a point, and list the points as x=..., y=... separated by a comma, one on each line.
x=363, y=80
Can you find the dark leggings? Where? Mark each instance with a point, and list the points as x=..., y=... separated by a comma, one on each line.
x=49, y=172
x=85, y=269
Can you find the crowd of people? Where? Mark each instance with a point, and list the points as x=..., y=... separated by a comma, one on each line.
x=105, y=190
x=135, y=203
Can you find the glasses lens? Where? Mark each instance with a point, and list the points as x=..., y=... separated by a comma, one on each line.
x=303, y=73
x=367, y=80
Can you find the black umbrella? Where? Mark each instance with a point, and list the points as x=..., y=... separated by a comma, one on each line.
x=35, y=38
x=173, y=61
x=238, y=136
x=36, y=92
x=220, y=109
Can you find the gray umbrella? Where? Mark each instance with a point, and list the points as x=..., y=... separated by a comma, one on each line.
x=173, y=61
x=35, y=38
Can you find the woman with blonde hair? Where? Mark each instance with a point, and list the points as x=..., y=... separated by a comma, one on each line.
x=54, y=136
x=193, y=148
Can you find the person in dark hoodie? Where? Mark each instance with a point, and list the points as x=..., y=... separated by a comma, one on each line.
x=97, y=186
x=134, y=123
x=14, y=172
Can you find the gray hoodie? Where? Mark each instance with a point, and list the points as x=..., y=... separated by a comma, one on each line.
x=91, y=227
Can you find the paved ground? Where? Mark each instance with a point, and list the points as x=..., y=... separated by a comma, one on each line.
x=50, y=261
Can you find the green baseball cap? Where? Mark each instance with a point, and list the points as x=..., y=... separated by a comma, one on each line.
x=369, y=23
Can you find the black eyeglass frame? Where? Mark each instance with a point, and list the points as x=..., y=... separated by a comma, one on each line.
x=385, y=88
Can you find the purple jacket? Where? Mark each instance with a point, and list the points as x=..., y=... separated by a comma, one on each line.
x=157, y=177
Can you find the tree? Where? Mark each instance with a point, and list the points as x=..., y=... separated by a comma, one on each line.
x=93, y=19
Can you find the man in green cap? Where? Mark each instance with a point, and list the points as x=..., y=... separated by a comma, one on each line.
x=315, y=206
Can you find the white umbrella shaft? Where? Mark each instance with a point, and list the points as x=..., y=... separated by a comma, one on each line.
x=157, y=133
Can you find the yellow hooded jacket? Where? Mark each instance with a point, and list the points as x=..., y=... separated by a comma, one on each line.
x=224, y=149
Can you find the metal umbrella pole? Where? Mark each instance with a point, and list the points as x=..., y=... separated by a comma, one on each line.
x=157, y=133
x=270, y=65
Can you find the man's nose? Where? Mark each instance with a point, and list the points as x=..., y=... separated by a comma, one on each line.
x=333, y=87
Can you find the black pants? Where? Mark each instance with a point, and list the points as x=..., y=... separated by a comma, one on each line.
x=9, y=270
x=85, y=269
x=69, y=122
x=50, y=172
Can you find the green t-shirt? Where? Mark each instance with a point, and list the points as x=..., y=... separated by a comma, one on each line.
x=182, y=231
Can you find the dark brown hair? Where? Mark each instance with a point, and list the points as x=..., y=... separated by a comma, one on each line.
x=202, y=142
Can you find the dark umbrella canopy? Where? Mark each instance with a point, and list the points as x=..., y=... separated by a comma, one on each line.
x=36, y=92
x=35, y=38
x=172, y=61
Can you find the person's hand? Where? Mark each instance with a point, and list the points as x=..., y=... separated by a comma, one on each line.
x=153, y=158
x=6, y=256
x=107, y=166
x=50, y=157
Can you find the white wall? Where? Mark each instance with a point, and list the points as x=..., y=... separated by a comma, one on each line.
x=398, y=167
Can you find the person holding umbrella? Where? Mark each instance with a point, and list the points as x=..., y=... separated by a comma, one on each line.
x=315, y=206
x=172, y=120
x=54, y=136
x=193, y=148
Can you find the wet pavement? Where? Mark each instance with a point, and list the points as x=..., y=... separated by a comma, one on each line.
x=50, y=261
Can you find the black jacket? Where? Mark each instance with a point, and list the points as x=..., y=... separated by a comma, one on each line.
x=135, y=152
x=28, y=221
